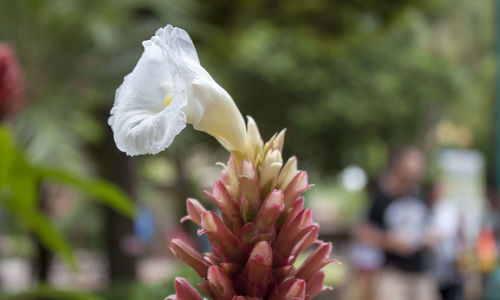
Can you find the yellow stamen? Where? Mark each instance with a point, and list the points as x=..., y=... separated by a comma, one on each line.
x=168, y=99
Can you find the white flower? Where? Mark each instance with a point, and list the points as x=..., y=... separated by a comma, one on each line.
x=167, y=89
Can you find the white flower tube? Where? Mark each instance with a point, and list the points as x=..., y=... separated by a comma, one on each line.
x=167, y=89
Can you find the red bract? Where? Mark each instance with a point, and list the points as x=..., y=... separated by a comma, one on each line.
x=262, y=230
x=10, y=81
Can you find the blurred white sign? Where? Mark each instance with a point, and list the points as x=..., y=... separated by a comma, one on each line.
x=462, y=178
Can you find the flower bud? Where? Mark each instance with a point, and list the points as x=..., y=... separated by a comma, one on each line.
x=270, y=168
x=228, y=208
x=296, y=187
x=302, y=238
x=229, y=177
x=256, y=279
x=275, y=142
x=289, y=289
x=269, y=211
x=315, y=285
x=291, y=213
x=287, y=173
x=289, y=237
x=279, y=141
x=184, y=291
x=309, y=238
x=190, y=257
x=194, y=210
x=264, y=224
x=230, y=246
x=249, y=184
x=255, y=142
x=220, y=284
x=317, y=260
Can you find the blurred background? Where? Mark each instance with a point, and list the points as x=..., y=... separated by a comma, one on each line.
x=353, y=82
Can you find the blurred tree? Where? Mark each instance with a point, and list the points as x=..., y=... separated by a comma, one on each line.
x=21, y=195
x=56, y=40
x=74, y=55
x=353, y=79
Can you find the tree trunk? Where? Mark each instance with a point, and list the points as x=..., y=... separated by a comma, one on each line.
x=116, y=167
x=43, y=255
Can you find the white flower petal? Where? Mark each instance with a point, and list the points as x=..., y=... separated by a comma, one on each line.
x=213, y=111
x=167, y=88
x=150, y=135
x=140, y=121
x=209, y=107
x=180, y=42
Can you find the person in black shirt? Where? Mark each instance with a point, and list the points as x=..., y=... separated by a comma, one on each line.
x=396, y=223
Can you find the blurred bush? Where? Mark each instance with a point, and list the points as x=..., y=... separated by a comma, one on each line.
x=20, y=183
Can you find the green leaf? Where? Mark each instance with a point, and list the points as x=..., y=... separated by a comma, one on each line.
x=102, y=191
x=6, y=156
x=19, y=189
x=52, y=293
x=49, y=236
x=52, y=238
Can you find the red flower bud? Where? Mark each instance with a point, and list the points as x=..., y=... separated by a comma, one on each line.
x=220, y=284
x=296, y=187
x=317, y=260
x=194, y=210
x=227, y=206
x=256, y=279
x=249, y=184
x=190, y=256
x=232, y=249
x=184, y=291
x=290, y=289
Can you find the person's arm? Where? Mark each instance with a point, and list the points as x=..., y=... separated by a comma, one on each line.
x=370, y=234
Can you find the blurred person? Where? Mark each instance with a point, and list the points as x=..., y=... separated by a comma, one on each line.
x=446, y=236
x=488, y=247
x=366, y=260
x=396, y=223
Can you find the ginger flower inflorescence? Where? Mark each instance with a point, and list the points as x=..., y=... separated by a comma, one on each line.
x=263, y=226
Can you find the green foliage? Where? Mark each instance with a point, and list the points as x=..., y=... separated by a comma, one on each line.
x=118, y=291
x=47, y=292
x=20, y=184
x=101, y=191
x=137, y=291
x=351, y=95
x=349, y=79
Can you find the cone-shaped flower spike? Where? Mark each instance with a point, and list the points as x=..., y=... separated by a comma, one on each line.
x=262, y=229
